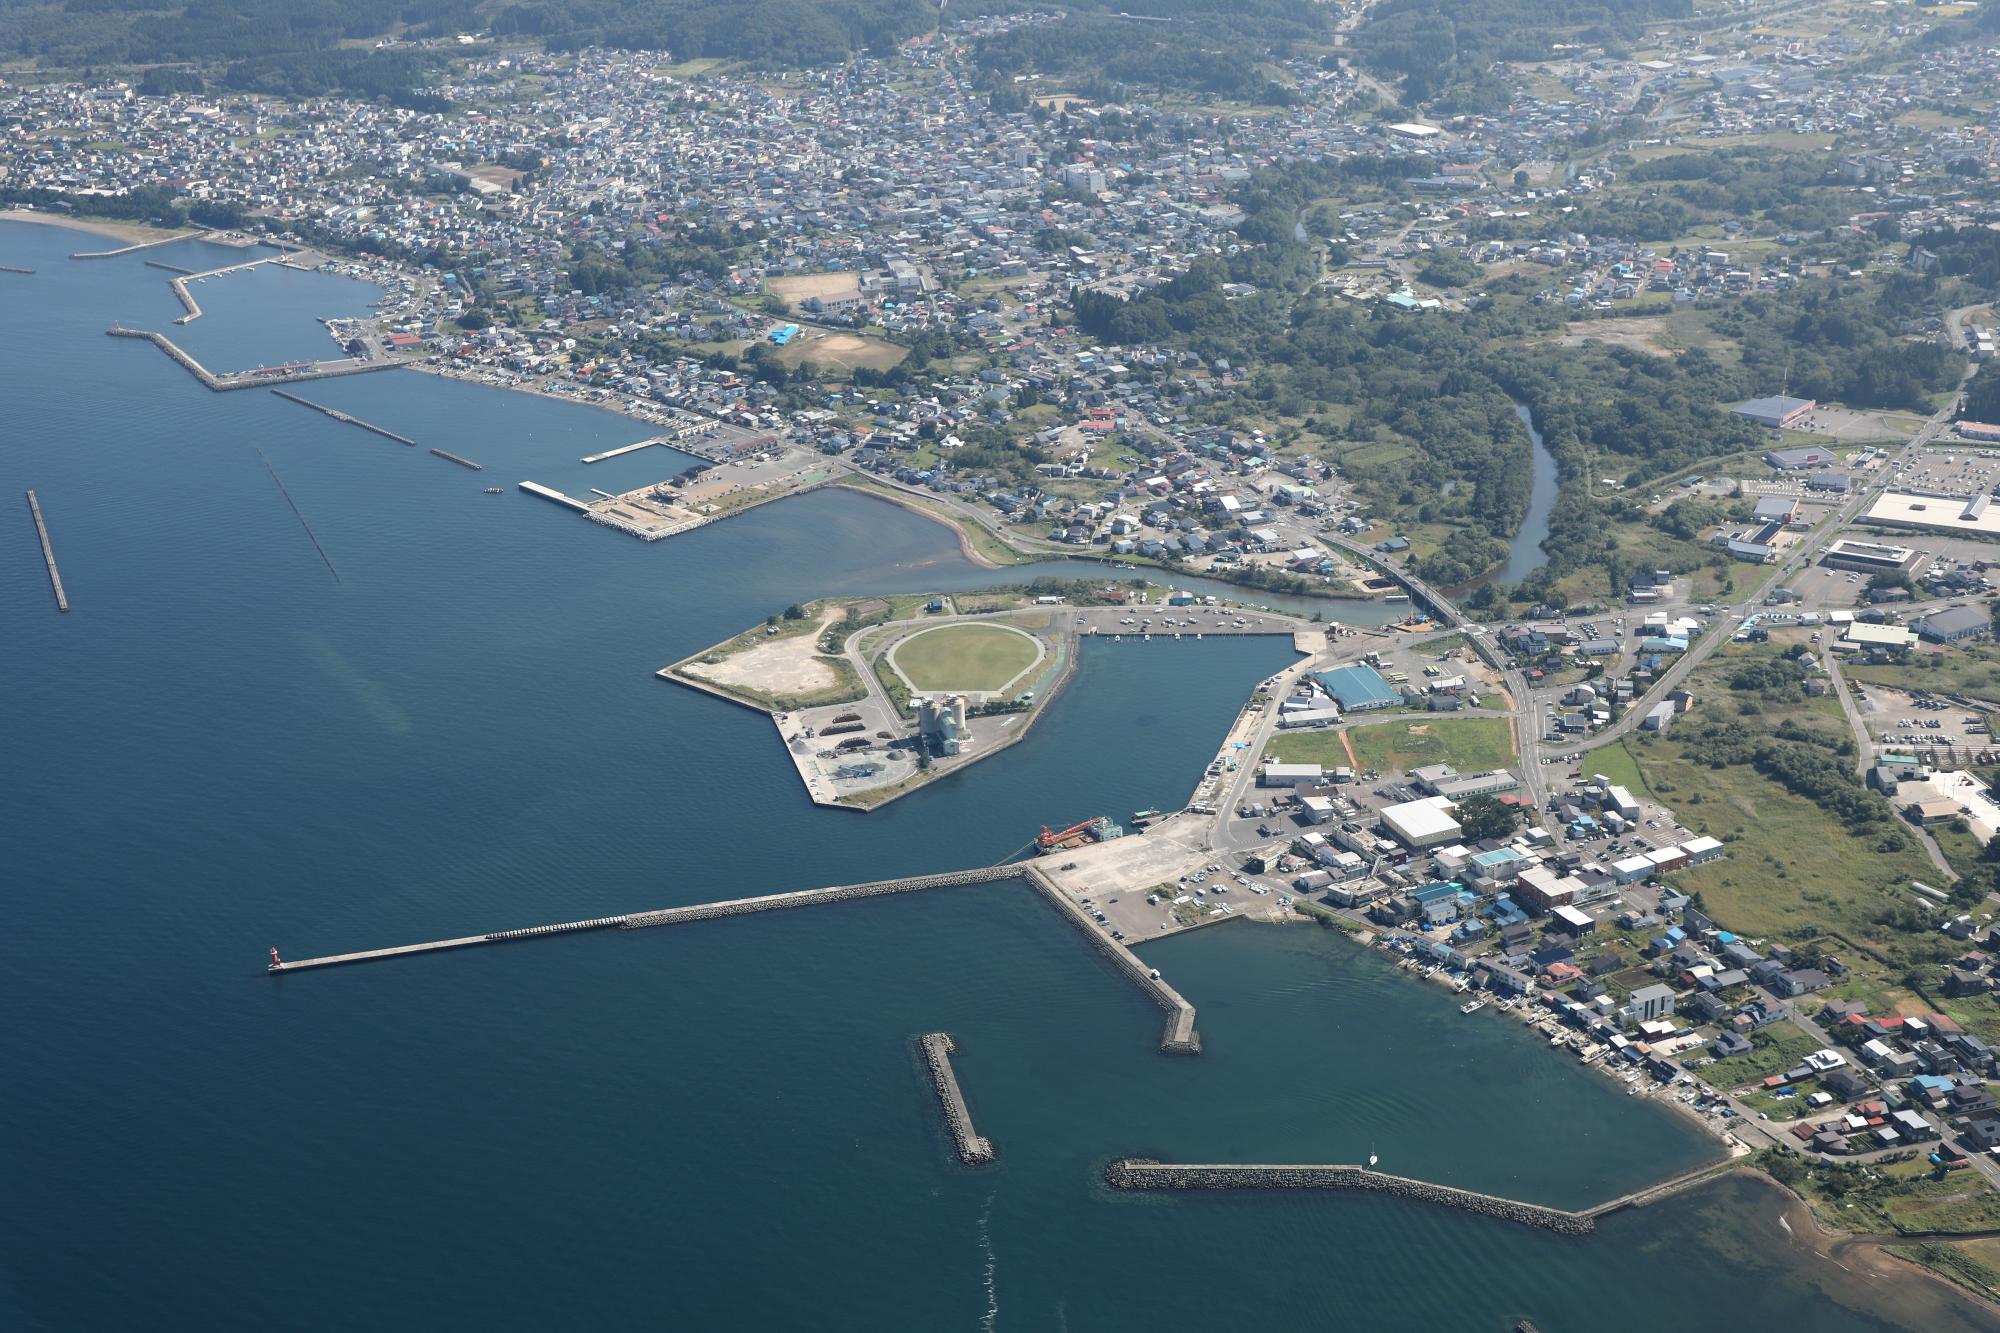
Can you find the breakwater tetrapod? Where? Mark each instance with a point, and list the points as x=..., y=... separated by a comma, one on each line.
x=1178, y=1038
x=972, y=1148
x=1139, y=1174
x=48, y=552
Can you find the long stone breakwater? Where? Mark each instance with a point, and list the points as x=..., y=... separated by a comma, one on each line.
x=251, y=379
x=1179, y=1037
x=1138, y=1174
x=973, y=1149
x=341, y=416
x=48, y=552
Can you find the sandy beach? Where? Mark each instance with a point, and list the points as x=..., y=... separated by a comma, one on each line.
x=132, y=233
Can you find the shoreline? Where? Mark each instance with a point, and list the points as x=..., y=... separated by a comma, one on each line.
x=965, y=547
x=133, y=233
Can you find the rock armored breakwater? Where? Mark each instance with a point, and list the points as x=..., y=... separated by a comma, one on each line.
x=1134, y=1174
x=973, y=1149
x=1180, y=1038
x=673, y=916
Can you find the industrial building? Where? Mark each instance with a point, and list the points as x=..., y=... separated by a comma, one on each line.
x=1356, y=688
x=1880, y=636
x=1422, y=823
x=941, y=723
x=1777, y=412
x=1446, y=781
x=1290, y=775
x=1954, y=623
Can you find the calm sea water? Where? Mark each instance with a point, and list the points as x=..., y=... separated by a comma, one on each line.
x=226, y=747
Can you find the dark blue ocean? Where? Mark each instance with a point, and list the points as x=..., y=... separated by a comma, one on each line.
x=227, y=745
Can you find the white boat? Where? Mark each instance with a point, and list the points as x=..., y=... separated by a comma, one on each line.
x=1471, y=1006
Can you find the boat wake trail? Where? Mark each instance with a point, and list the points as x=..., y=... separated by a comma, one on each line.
x=988, y=1320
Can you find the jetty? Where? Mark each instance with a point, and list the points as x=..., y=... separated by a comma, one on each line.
x=973, y=1149
x=263, y=376
x=171, y=268
x=48, y=553
x=1140, y=1174
x=138, y=246
x=1179, y=1037
x=338, y=415
x=555, y=496
x=1639, y=1198
x=462, y=462
x=624, y=449
x=186, y=297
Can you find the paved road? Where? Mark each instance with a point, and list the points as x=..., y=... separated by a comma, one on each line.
x=1722, y=627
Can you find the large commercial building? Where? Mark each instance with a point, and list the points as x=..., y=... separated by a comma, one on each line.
x=1954, y=623
x=1777, y=412
x=1356, y=688
x=1975, y=514
x=1791, y=460
x=1420, y=824
x=1868, y=557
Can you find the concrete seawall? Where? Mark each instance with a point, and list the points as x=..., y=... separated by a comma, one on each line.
x=1137, y=1174
x=142, y=245
x=674, y=916
x=1180, y=1037
x=343, y=417
x=973, y=1150
x=251, y=379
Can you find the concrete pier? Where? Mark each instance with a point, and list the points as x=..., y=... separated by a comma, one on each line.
x=1179, y=1038
x=973, y=1149
x=623, y=449
x=338, y=415
x=1138, y=1174
x=170, y=268
x=251, y=379
x=186, y=297
x=48, y=553
x=555, y=496
x=462, y=462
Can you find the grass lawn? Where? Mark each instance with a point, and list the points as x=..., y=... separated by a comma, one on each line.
x=1792, y=869
x=965, y=657
x=1616, y=762
x=1779, y=1047
x=1468, y=744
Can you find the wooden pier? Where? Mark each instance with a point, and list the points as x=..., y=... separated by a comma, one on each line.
x=340, y=416
x=48, y=553
x=462, y=462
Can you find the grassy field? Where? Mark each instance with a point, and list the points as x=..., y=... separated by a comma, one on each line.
x=1468, y=744
x=1779, y=1047
x=965, y=657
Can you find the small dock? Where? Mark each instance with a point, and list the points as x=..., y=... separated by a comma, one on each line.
x=48, y=553
x=340, y=416
x=462, y=462
x=973, y=1148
